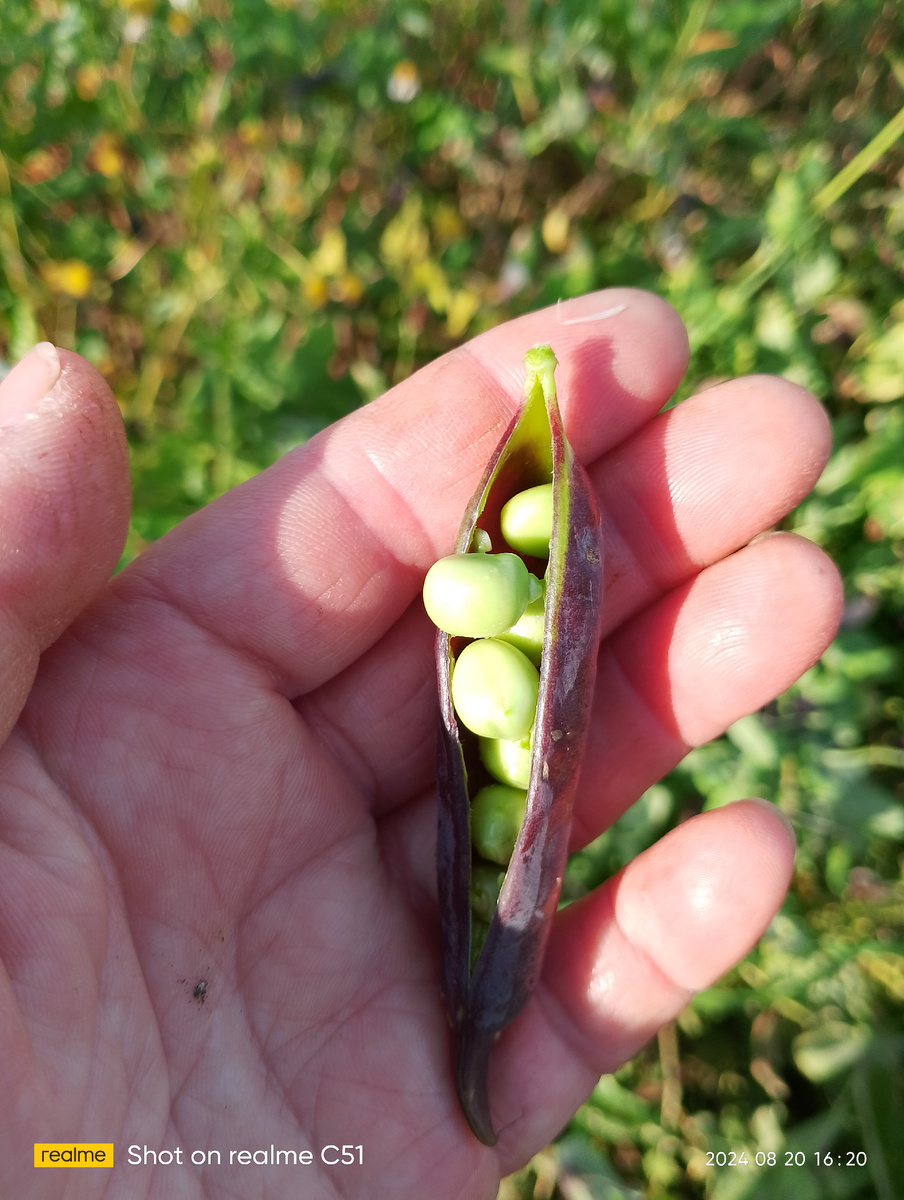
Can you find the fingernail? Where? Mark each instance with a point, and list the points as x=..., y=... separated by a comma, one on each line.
x=601, y=314
x=764, y=536
x=28, y=383
x=776, y=812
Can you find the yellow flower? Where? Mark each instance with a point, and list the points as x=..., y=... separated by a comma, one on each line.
x=405, y=239
x=430, y=279
x=106, y=155
x=72, y=278
x=178, y=24
x=251, y=131
x=88, y=79
x=348, y=289
x=447, y=224
x=315, y=290
x=329, y=257
x=555, y=231
x=462, y=308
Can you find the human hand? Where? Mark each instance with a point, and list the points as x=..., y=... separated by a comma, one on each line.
x=224, y=769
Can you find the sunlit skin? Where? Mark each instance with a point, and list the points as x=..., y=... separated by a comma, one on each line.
x=223, y=770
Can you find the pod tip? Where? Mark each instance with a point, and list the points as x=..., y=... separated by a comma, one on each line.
x=539, y=356
x=473, y=1064
x=540, y=363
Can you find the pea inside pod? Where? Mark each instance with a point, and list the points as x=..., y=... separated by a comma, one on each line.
x=526, y=521
x=495, y=689
x=477, y=595
x=493, y=944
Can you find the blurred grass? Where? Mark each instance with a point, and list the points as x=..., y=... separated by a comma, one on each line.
x=253, y=217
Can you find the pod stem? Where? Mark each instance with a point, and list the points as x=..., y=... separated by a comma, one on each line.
x=541, y=363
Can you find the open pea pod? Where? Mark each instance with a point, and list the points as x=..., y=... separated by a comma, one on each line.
x=481, y=1001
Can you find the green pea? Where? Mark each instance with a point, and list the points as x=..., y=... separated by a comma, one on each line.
x=527, y=632
x=479, y=931
x=486, y=884
x=497, y=814
x=526, y=521
x=507, y=761
x=477, y=595
x=495, y=689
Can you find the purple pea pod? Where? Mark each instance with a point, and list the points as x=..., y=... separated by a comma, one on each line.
x=483, y=999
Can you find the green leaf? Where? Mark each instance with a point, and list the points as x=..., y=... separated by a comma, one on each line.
x=754, y=740
x=880, y=1109
x=610, y=1097
x=823, y=1053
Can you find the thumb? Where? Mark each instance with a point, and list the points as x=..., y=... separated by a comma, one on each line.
x=64, y=496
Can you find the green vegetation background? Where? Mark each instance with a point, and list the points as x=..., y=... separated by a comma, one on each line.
x=254, y=216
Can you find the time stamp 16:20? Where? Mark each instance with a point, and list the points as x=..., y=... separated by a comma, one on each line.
x=792, y=1158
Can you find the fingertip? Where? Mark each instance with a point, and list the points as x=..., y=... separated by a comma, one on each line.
x=621, y=352
x=81, y=382
x=64, y=487
x=628, y=957
x=775, y=828
x=29, y=381
x=815, y=425
x=652, y=356
x=624, y=349
x=632, y=360
x=772, y=416
x=749, y=626
x=697, y=901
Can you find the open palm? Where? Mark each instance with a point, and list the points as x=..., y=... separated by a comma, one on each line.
x=218, y=922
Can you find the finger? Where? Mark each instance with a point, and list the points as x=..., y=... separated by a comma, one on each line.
x=627, y=958
x=692, y=664
x=701, y=480
x=64, y=494
x=308, y=565
x=624, y=350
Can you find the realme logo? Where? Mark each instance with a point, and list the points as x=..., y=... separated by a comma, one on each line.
x=78, y=1154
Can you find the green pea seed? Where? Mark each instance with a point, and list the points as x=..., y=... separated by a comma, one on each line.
x=477, y=595
x=526, y=521
x=479, y=931
x=509, y=762
x=527, y=632
x=486, y=884
x=495, y=689
x=497, y=814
